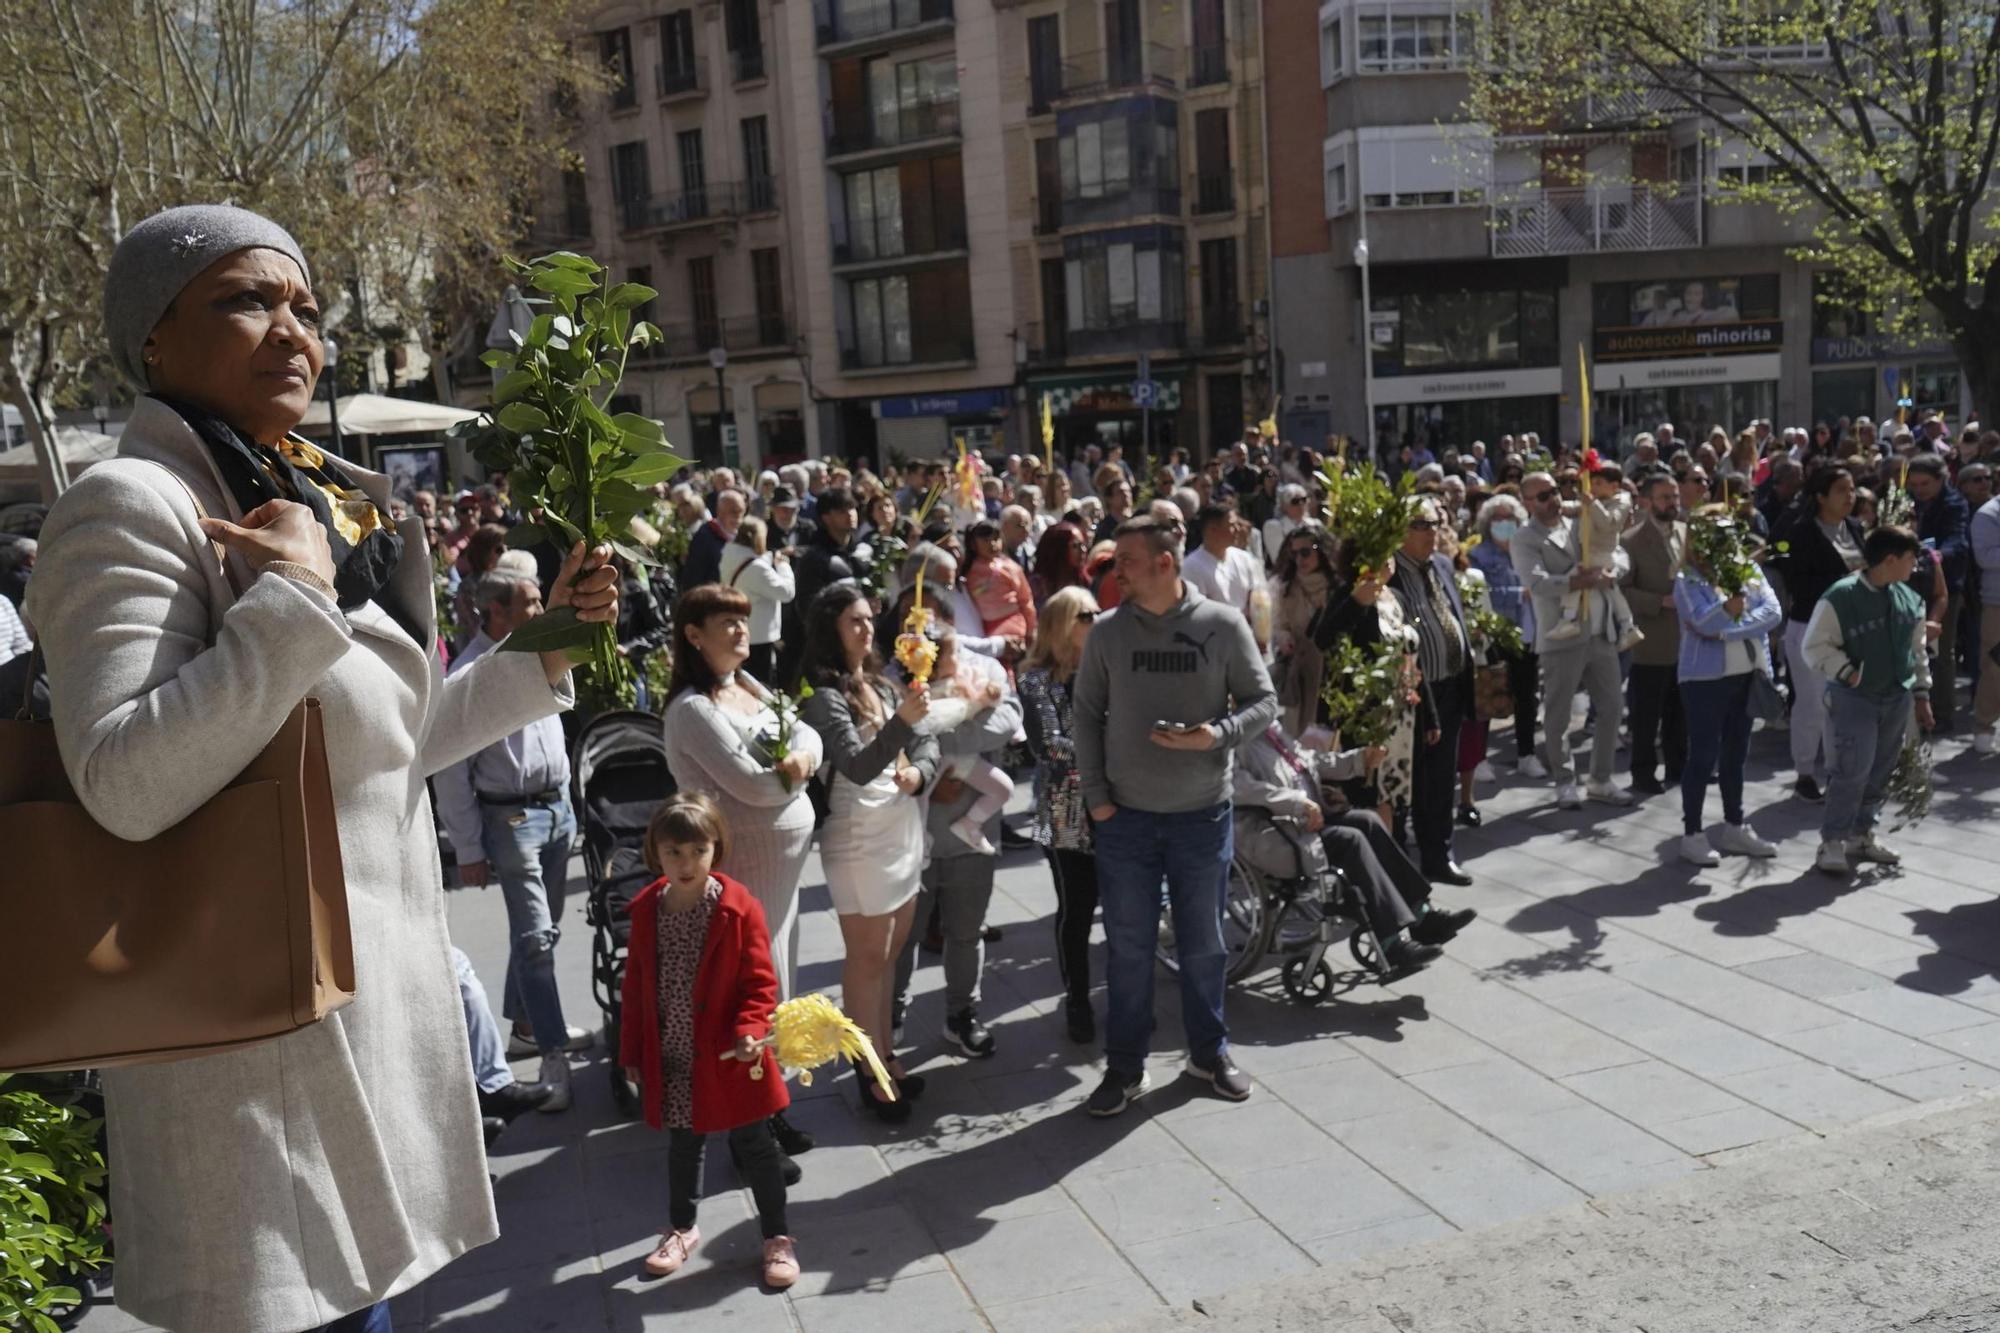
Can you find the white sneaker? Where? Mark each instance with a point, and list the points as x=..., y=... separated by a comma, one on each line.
x=973, y=836
x=1569, y=797
x=1696, y=851
x=1531, y=767
x=1605, y=792
x=1742, y=840
x=555, y=1074
x=1833, y=856
x=1484, y=773
x=1986, y=742
x=1868, y=848
x=578, y=1041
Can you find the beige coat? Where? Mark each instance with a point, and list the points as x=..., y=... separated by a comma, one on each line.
x=279, y=1187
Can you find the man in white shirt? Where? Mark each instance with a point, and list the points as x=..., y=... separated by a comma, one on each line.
x=1222, y=570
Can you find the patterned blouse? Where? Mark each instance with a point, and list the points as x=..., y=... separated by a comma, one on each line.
x=1061, y=819
x=682, y=935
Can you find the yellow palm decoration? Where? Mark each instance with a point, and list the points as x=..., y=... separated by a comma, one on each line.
x=807, y=1031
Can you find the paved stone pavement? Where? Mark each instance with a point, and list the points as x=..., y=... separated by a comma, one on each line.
x=1614, y=1020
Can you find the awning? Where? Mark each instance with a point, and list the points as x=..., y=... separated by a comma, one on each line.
x=1102, y=395
x=377, y=414
x=79, y=448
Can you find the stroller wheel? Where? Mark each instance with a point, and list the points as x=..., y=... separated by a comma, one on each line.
x=1366, y=949
x=1307, y=988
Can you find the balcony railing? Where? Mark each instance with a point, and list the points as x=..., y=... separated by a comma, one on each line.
x=682, y=80
x=1048, y=214
x=1139, y=65
x=1630, y=104
x=624, y=97
x=747, y=63
x=692, y=340
x=923, y=352
x=1137, y=336
x=860, y=20
x=1223, y=326
x=1210, y=65
x=697, y=205
x=912, y=122
x=950, y=238
x=1215, y=192
x=1138, y=202
x=1583, y=221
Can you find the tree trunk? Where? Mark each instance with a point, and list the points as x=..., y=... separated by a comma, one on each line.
x=38, y=417
x=1977, y=343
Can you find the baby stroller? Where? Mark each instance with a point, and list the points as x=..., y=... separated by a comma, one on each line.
x=619, y=769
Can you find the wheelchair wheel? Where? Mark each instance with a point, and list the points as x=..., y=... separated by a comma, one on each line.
x=1367, y=950
x=1306, y=989
x=1247, y=922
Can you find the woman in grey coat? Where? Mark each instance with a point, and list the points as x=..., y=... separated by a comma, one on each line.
x=299, y=1183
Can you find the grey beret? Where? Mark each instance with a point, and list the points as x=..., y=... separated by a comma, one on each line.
x=162, y=255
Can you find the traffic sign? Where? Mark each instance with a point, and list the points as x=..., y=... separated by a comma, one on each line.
x=1145, y=393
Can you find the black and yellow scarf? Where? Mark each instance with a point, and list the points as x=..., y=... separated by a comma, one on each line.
x=366, y=547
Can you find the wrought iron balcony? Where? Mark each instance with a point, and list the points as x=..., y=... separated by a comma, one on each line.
x=911, y=122
x=698, y=205
x=1597, y=219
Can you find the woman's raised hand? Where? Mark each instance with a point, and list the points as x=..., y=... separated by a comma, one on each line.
x=916, y=705
x=276, y=530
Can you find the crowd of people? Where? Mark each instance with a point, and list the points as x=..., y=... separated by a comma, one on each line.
x=877, y=664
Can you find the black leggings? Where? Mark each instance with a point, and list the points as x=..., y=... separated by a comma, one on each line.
x=1075, y=874
x=756, y=1161
x=1522, y=677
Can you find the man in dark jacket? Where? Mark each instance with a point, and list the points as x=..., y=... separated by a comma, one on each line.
x=1943, y=520
x=828, y=558
x=703, y=563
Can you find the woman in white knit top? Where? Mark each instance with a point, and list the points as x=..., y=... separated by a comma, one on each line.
x=720, y=726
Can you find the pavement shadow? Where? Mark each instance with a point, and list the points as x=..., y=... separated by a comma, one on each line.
x=1968, y=940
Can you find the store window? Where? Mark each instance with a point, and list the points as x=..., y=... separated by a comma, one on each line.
x=1843, y=393
x=1118, y=279
x=1427, y=332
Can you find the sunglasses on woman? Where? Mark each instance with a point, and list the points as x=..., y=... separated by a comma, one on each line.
x=1087, y=616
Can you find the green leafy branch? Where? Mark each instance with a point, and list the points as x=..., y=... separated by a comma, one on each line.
x=51, y=1208
x=582, y=472
x=1366, y=689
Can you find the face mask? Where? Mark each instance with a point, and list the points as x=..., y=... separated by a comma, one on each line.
x=1503, y=529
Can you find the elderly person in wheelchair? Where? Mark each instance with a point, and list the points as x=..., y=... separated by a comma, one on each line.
x=1286, y=829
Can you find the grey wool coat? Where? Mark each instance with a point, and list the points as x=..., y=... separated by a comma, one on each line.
x=281, y=1186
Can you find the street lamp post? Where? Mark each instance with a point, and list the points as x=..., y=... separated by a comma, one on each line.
x=1367, y=340
x=332, y=351
x=718, y=357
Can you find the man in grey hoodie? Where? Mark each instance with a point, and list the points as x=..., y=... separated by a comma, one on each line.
x=1169, y=685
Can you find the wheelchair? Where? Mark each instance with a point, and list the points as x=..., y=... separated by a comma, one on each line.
x=1303, y=916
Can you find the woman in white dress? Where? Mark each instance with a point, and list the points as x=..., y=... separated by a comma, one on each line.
x=872, y=844
x=721, y=728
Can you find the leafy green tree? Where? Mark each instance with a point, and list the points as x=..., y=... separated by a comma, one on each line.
x=404, y=142
x=1880, y=124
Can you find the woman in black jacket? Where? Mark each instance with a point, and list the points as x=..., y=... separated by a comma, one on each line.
x=1818, y=544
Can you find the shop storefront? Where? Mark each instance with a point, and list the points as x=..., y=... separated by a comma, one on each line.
x=1101, y=411
x=1860, y=371
x=1454, y=410
x=925, y=425
x=1699, y=352
x=1455, y=358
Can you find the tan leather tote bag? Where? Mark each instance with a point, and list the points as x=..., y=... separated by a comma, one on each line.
x=228, y=929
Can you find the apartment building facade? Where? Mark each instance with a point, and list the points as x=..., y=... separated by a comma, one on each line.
x=1138, y=222
x=685, y=188
x=1442, y=276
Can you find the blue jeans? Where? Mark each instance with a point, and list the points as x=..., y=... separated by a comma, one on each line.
x=1136, y=849
x=1717, y=718
x=375, y=1319
x=489, y=1051
x=1864, y=739
x=529, y=848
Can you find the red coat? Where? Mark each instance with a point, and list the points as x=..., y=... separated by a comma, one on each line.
x=735, y=991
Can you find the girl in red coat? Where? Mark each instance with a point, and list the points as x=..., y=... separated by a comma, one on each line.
x=698, y=995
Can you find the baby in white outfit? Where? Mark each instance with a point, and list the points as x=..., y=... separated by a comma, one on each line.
x=955, y=696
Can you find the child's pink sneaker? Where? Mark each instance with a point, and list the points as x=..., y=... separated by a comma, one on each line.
x=781, y=1263
x=675, y=1247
